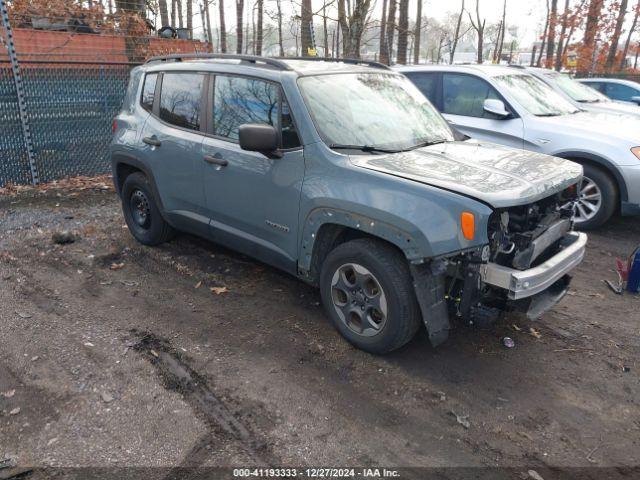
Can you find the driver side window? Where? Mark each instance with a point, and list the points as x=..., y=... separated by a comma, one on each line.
x=465, y=95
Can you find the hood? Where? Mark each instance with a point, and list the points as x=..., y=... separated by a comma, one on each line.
x=493, y=174
x=612, y=107
x=625, y=128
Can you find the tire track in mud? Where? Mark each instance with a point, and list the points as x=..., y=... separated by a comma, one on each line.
x=178, y=376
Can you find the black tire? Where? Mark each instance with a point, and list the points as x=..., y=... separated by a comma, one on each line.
x=609, y=194
x=391, y=271
x=153, y=230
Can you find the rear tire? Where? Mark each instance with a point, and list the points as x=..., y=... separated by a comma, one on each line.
x=367, y=291
x=599, y=192
x=141, y=213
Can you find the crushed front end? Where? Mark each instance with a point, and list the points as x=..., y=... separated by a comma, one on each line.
x=525, y=267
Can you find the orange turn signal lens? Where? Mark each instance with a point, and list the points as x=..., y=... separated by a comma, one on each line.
x=636, y=152
x=468, y=225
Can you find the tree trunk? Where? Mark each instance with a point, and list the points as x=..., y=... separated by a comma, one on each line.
x=585, y=57
x=551, y=33
x=533, y=56
x=382, y=50
x=479, y=26
x=631, y=31
x=179, y=8
x=280, y=42
x=325, y=30
x=613, y=48
x=561, y=39
x=223, y=29
x=391, y=29
x=209, y=32
x=456, y=35
x=174, y=11
x=260, y=27
x=416, y=34
x=190, y=17
x=573, y=28
x=239, y=25
x=502, y=30
x=306, y=18
x=164, y=13
x=544, y=38
x=403, y=27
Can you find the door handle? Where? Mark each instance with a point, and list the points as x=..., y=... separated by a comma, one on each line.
x=216, y=160
x=153, y=141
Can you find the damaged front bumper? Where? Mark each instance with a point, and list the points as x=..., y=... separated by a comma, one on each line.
x=521, y=284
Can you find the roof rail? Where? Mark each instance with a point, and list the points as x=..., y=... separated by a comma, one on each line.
x=515, y=65
x=254, y=59
x=350, y=61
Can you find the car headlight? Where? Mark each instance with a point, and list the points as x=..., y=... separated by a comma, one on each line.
x=636, y=152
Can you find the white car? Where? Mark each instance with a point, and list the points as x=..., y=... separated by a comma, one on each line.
x=616, y=89
x=581, y=94
x=511, y=107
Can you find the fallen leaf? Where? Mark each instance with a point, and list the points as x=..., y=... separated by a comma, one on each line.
x=219, y=290
x=516, y=328
x=89, y=344
x=154, y=353
x=117, y=266
x=199, y=284
x=534, y=332
x=15, y=411
x=9, y=393
x=24, y=315
x=107, y=397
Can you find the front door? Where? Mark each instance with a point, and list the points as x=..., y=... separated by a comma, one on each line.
x=463, y=97
x=252, y=200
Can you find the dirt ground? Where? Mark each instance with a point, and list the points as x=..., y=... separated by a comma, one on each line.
x=113, y=354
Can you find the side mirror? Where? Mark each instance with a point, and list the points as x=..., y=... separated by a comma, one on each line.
x=496, y=107
x=636, y=99
x=261, y=138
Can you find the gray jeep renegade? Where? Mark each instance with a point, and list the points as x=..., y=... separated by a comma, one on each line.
x=343, y=174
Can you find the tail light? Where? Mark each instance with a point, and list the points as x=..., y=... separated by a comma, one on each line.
x=114, y=127
x=468, y=225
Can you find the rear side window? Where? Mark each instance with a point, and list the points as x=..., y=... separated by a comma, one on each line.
x=465, y=95
x=238, y=100
x=618, y=91
x=148, y=91
x=180, y=99
x=427, y=83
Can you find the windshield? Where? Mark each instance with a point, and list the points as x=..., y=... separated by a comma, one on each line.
x=535, y=96
x=576, y=90
x=379, y=110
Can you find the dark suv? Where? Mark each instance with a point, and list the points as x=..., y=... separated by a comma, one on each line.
x=343, y=174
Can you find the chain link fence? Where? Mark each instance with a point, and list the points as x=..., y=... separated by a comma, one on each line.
x=59, y=94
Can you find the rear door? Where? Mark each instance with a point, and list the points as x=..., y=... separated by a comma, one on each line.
x=252, y=200
x=172, y=143
x=463, y=97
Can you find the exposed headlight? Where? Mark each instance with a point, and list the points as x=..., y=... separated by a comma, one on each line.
x=636, y=152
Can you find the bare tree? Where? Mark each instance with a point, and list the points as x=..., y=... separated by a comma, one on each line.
x=613, y=48
x=239, y=25
x=561, y=38
x=352, y=24
x=390, y=31
x=383, y=53
x=174, y=11
x=260, y=27
x=164, y=12
x=325, y=30
x=478, y=25
x=206, y=21
x=280, y=41
x=456, y=35
x=503, y=27
x=223, y=29
x=544, y=37
x=179, y=12
x=403, y=27
x=588, y=49
x=634, y=24
x=417, y=32
x=551, y=33
x=190, y=17
x=306, y=20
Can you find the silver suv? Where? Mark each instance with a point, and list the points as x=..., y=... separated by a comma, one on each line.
x=511, y=107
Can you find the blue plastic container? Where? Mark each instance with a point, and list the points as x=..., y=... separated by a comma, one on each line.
x=633, y=280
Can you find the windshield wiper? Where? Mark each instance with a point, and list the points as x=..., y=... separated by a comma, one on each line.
x=425, y=144
x=362, y=148
x=549, y=114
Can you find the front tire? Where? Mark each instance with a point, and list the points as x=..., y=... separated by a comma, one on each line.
x=141, y=213
x=597, y=200
x=367, y=291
